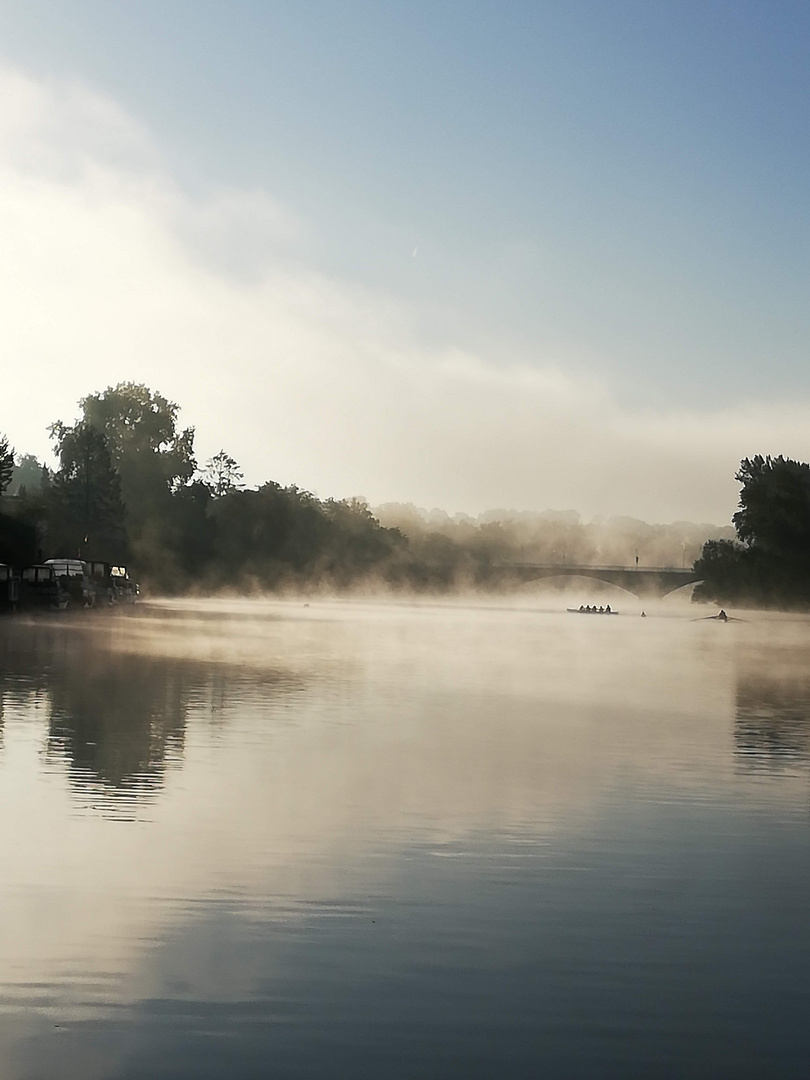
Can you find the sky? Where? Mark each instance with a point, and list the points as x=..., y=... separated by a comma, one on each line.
x=467, y=255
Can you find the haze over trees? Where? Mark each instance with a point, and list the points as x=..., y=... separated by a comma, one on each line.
x=767, y=565
x=128, y=488
x=27, y=475
x=552, y=536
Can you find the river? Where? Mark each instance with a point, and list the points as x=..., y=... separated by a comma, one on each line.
x=395, y=840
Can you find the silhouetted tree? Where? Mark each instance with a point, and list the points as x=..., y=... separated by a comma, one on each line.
x=27, y=475
x=152, y=457
x=86, y=511
x=181, y=547
x=768, y=565
x=6, y=463
x=155, y=461
x=774, y=512
x=277, y=534
x=222, y=474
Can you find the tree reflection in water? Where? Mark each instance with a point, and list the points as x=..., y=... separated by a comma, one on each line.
x=772, y=724
x=27, y=656
x=118, y=718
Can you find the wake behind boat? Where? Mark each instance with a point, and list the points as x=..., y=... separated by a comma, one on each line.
x=719, y=617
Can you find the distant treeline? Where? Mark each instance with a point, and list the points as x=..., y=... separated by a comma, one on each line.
x=768, y=564
x=128, y=489
x=551, y=537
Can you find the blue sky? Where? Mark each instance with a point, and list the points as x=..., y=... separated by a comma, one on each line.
x=608, y=196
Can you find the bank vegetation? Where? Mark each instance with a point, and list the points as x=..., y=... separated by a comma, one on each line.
x=127, y=488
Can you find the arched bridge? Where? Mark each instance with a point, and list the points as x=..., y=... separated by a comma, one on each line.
x=638, y=580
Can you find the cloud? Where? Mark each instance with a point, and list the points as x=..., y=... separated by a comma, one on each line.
x=112, y=271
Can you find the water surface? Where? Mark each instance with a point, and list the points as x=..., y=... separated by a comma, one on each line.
x=263, y=839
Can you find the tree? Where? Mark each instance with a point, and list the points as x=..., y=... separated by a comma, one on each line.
x=222, y=474
x=27, y=476
x=152, y=457
x=774, y=512
x=767, y=565
x=155, y=461
x=6, y=463
x=277, y=535
x=86, y=511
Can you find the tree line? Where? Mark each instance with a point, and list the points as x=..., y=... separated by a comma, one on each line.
x=127, y=488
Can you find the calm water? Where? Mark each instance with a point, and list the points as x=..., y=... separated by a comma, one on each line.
x=356, y=840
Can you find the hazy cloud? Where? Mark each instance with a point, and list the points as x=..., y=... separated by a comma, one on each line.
x=112, y=271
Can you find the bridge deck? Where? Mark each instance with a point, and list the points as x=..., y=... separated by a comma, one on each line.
x=639, y=580
x=573, y=567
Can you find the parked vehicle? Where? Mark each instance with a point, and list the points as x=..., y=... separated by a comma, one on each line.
x=128, y=590
x=112, y=584
x=9, y=588
x=41, y=588
x=65, y=583
x=75, y=580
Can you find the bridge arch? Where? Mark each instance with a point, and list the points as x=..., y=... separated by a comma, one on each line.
x=653, y=581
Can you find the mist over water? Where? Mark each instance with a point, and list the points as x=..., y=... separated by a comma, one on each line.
x=459, y=838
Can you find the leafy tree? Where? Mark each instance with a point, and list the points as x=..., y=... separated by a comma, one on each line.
x=222, y=474
x=175, y=548
x=767, y=565
x=6, y=463
x=722, y=568
x=34, y=490
x=155, y=461
x=774, y=509
x=27, y=476
x=152, y=456
x=86, y=512
x=355, y=543
x=285, y=535
x=267, y=534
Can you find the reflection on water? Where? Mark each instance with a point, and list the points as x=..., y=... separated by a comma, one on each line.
x=772, y=728
x=117, y=720
x=258, y=839
x=116, y=717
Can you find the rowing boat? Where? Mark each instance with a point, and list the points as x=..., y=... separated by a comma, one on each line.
x=582, y=611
